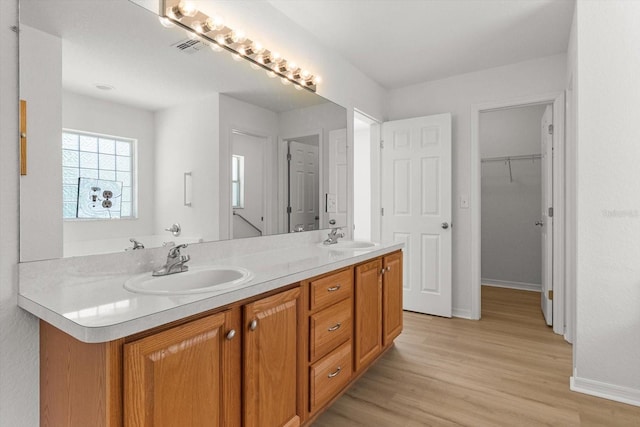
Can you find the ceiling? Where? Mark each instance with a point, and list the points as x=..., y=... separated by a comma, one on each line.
x=403, y=42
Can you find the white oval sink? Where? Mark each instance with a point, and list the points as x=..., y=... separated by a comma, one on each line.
x=350, y=245
x=195, y=280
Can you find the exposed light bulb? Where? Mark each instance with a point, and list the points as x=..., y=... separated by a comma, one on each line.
x=236, y=57
x=285, y=81
x=242, y=50
x=220, y=39
x=317, y=80
x=184, y=8
x=187, y=8
x=238, y=36
x=276, y=57
x=292, y=66
x=305, y=74
x=217, y=23
x=257, y=47
x=255, y=66
x=271, y=74
x=166, y=22
x=298, y=87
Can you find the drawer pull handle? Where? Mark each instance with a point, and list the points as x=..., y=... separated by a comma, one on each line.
x=334, y=288
x=335, y=328
x=333, y=374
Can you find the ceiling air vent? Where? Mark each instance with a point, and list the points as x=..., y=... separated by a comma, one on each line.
x=189, y=46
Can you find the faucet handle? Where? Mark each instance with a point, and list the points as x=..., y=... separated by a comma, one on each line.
x=175, y=251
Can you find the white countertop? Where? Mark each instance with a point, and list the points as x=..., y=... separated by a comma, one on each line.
x=93, y=306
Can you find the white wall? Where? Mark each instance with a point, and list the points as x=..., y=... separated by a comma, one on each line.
x=456, y=95
x=88, y=114
x=187, y=140
x=41, y=196
x=254, y=120
x=19, y=374
x=511, y=242
x=607, y=342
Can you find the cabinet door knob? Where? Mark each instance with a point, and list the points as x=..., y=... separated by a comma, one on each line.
x=334, y=288
x=231, y=334
x=333, y=374
x=253, y=325
x=335, y=327
x=383, y=270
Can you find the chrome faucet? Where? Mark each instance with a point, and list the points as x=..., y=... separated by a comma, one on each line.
x=136, y=244
x=175, y=262
x=333, y=236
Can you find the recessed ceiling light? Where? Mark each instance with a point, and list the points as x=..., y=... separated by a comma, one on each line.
x=104, y=86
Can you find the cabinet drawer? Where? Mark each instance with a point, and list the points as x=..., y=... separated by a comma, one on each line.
x=330, y=289
x=329, y=375
x=330, y=327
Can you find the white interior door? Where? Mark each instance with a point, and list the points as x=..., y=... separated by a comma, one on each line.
x=336, y=199
x=303, y=185
x=416, y=202
x=546, y=222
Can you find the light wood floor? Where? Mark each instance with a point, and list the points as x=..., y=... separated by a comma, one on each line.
x=508, y=369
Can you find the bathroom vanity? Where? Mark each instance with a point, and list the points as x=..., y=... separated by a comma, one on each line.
x=275, y=352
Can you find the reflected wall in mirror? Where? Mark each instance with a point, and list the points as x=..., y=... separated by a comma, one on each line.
x=211, y=138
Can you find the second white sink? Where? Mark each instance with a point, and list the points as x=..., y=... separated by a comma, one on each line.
x=195, y=280
x=350, y=245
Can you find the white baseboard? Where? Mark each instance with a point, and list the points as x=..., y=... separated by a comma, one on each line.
x=461, y=312
x=533, y=287
x=630, y=396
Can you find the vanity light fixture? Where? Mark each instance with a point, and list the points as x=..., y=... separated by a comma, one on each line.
x=214, y=32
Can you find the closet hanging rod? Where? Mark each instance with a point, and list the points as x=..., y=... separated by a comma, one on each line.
x=510, y=158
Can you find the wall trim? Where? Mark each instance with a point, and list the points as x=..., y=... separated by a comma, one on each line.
x=462, y=313
x=628, y=395
x=533, y=287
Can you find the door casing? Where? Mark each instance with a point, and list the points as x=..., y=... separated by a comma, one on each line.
x=557, y=99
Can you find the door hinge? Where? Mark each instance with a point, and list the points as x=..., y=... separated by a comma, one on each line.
x=550, y=129
x=382, y=143
x=550, y=213
x=288, y=209
x=288, y=157
x=381, y=211
x=550, y=293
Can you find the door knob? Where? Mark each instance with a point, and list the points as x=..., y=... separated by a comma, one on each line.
x=445, y=225
x=539, y=223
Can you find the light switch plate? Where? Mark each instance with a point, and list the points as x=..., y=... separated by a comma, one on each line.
x=464, y=201
x=332, y=203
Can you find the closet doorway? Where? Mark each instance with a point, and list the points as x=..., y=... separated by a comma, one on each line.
x=518, y=201
x=515, y=169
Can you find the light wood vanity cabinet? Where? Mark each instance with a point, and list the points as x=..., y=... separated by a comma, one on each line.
x=273, y=360
x=187, y=375
x=378, y=307
x=271, y=340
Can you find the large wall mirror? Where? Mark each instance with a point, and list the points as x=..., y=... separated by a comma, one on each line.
x=133, y=127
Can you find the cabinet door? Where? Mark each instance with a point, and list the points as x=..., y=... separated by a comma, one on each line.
x=392, y=297
x=368, y=313
x=270, y=361
x=185, y=376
